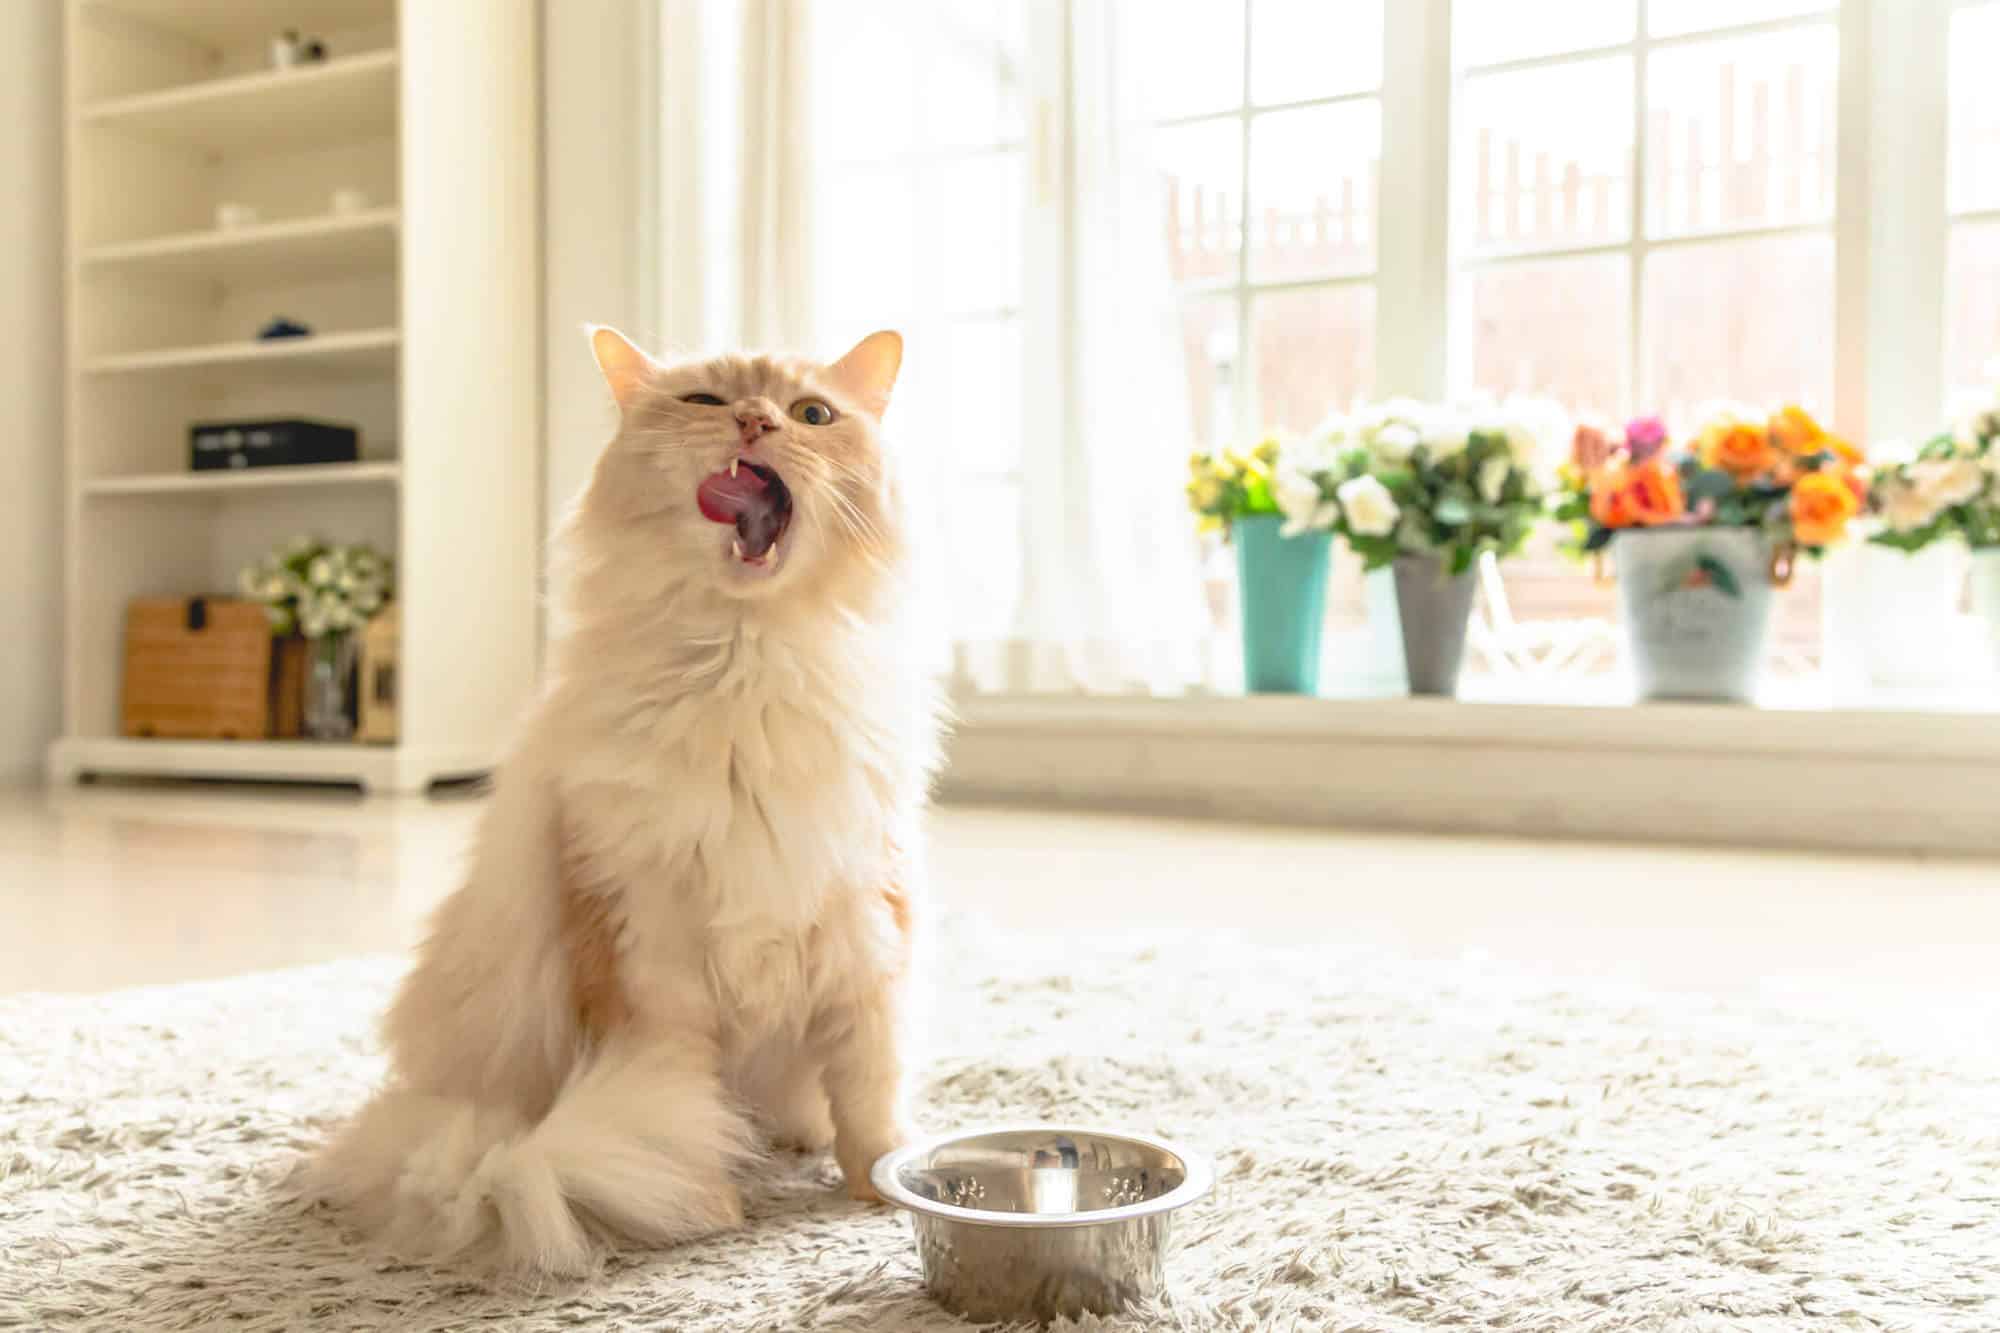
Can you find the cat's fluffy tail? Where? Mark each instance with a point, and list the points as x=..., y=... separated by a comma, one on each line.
x=641, y=1143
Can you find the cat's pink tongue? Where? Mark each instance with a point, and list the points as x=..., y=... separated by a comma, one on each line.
x=752, y=502
x=726, y=497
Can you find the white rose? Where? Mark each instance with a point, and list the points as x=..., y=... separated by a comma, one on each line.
x=1298, y=499
x=1493, y=474
x=320, y=572
x=1371, y=510
x=1945, y=482
x=1905, y=508
x=1445, y=435
x=1395, y=442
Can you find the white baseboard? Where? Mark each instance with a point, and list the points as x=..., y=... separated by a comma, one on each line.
x=1684, y=774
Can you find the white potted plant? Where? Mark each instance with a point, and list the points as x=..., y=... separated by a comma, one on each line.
x=1946, y=495
x=1421, y=492
x=327, y=594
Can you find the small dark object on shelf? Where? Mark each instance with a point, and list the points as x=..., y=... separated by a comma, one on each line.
x=288, y=50
x=281, y=327
x=216, y=445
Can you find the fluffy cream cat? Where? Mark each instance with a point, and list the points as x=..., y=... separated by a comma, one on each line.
x=687, y=917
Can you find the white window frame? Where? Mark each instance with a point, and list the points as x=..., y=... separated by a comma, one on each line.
x=1963, y=217
x=1243, y=291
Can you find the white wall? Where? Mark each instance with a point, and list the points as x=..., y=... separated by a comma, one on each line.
x=598, y=142
x=31, y=342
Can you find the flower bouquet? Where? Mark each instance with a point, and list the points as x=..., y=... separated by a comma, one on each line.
x=1281, y=574
x=1704, y=531
x=1944, y=496
x=324, y=593
x=1424, y=490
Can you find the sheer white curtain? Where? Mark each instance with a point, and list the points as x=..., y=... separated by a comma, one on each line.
x=982, y=135
x=1110, y=598
x=775, y=198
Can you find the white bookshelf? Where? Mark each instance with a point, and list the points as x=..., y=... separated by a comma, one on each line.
x=424, y=310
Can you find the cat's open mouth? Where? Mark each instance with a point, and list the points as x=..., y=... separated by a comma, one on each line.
x=755, y=499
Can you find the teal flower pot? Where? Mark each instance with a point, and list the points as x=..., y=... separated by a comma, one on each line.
x=1283, y=580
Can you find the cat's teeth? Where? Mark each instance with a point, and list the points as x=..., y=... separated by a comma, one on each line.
x=771, y=558
x=732, y=465
x=737, y=546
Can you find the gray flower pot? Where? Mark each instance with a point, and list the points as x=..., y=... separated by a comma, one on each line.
x=1696, y=603
x=1432, y=608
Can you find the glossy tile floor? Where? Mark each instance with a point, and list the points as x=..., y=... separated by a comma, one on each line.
x=107, y=886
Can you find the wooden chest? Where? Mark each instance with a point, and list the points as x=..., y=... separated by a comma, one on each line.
x=197, y=668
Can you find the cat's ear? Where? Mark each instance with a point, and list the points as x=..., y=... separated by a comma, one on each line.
x=869, y=371
x=625, y=367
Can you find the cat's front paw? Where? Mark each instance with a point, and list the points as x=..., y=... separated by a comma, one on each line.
x=858, y=1159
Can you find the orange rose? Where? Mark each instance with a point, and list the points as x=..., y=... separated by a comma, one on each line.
x=1738, y=448
x=1822, y=503
x=1642, y=495
x=1610, y=506
x=1843, y=451
x=1794, y=430
x=1655, y=495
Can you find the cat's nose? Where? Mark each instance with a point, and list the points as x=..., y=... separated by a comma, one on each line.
x=754, y=422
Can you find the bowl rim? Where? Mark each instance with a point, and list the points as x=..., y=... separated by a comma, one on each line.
x=1200, y=1178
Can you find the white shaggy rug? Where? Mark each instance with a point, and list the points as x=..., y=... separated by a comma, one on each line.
x=1399, y=1146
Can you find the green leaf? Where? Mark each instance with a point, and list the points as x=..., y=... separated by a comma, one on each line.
x=1452, y=511
x=1719, y=574
x=1708, y=483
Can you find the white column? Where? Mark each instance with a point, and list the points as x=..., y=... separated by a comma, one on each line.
x=1890, y=229
x=1413, y=214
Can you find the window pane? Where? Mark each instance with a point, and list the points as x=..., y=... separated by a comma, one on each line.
x=1315, y=352
x=1548, y=157
x=1554, y=327
x=1203, y=167
x=1488, y=31
x=1208, y=339
x=971, y=206
x=1193, y=63
x=875, y=116
x=971, y=80
x=1975, y=109
x=984, y=539
x=1314, y=48
x=1747, y=320
x=1740, y=133
x=1668, y=18
x=867, y=221
x=1312, y=191
x=982, y=393
x=1972, y=305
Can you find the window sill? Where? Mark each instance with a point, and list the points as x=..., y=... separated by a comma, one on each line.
x=1870, y=779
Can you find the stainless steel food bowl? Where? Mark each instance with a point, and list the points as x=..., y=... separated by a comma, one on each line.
x=1036, y=1221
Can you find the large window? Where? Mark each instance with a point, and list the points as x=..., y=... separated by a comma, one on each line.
x=1632, y=206
x=1269, y=147
x=1972, y=303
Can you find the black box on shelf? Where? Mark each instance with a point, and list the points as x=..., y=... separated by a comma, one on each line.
x=219, y=445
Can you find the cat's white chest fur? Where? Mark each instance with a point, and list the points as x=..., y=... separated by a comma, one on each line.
x=746, y=818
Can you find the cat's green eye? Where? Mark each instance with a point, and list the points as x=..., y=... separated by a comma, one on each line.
x=705, y=399
x=812, y=411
